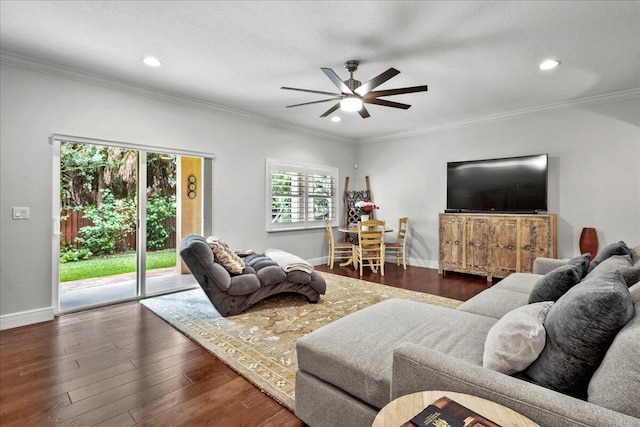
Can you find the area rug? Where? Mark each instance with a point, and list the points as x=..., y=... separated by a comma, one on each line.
x=259, y=344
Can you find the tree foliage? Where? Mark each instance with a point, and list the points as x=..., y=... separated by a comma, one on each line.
x=102, y=182
x=87, y=169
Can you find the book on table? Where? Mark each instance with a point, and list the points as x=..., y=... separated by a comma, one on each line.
x=445, y=412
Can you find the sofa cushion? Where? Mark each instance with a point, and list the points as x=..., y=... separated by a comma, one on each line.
x=617, y=248
x=494, y=302
x=298, y=276
x=616, y=383
x=355, y=353
x=635, y=256
x=271, y=275
x=243, y=284
x=517, y=339
x=264, y=263
x=621, y=263
x=518, y=282
x=225, y=256
x=580, y=327
x=554, y=284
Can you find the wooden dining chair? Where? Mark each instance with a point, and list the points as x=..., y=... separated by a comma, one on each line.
x=399, y=247
x=339, y=249
x=370, y=245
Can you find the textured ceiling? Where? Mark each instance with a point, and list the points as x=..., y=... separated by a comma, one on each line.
x=479, y=58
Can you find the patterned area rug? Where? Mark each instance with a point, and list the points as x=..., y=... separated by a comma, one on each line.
x=259, y=344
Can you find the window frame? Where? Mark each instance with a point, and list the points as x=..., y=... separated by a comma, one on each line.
x=304, y=170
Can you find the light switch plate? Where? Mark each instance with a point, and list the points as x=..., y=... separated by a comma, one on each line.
x=20, y=213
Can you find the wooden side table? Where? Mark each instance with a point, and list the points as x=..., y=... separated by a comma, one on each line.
x=402, y=409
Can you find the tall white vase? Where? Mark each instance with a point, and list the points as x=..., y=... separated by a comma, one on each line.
x=364, y=218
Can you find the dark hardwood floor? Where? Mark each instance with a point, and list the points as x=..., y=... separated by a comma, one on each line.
x=123, y=366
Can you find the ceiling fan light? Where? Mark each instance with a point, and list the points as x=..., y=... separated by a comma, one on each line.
x=351, y=103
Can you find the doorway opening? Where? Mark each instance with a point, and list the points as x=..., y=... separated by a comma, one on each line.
x=120, y=213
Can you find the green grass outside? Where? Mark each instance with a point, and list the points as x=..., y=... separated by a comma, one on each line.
x=114, y=264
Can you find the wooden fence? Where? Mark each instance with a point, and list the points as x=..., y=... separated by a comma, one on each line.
x=75, y=220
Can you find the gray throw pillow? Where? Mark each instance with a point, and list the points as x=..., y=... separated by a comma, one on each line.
x=583, y=261
x=555, y=283
x=618, y=248
x=580, y=327
x=616, y=383
x=621, y=263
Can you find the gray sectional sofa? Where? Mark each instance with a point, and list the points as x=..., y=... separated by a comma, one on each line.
x=351, y=368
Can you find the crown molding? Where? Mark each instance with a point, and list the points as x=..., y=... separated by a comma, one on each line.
x=115, y=84
x=564, y=105
x=95, y=79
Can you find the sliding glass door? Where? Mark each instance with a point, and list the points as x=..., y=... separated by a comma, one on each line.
x=121, y=214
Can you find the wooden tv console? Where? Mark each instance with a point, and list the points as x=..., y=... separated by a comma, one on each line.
x=495, y=245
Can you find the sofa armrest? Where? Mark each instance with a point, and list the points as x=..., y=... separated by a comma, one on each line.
x=417, y=368
x=545, y=265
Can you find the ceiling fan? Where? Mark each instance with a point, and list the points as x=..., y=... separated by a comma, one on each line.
x=354, y=94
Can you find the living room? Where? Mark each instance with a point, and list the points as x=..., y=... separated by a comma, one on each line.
x=591, y=132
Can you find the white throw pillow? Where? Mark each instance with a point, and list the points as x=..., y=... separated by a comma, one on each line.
x=517, y=339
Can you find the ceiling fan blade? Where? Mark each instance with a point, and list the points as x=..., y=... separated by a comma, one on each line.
x=311, y=91
x=398, y=91
x=331, y=110
x=337, y=81
x=376, y=81
x=313, y=102
x=386, y=103
x=364, y=113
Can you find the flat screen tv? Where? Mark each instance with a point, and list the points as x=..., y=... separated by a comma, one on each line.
x=514, y=184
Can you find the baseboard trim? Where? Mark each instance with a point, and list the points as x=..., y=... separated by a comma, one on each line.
x=425, y=263
x=23, y=318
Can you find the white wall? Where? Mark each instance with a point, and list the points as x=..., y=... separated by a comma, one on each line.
x=594, y=176
x=35, y=105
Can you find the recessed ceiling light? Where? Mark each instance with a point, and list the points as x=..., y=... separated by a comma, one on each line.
x=549, y=64
x=152, y=61
x=335, y=119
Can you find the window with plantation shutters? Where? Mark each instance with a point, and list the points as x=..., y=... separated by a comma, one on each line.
x=300, y=196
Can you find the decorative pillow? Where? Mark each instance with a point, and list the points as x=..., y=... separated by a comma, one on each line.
x=225, y=256
x=621, y=263
x=555, y=283
x=583, y=261
x=517, y=339
x=616, y=383
x=618, y=248
x=580, y=327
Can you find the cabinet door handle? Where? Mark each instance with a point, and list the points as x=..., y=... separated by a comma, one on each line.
x=457, y=242
x=527, y=247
